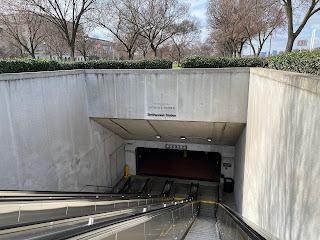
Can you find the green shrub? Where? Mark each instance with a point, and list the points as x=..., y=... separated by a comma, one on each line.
x=27, y=65
x=302, y=62
x=221, y=62
x=33, y=65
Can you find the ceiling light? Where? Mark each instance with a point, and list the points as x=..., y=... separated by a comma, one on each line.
x=183, y=138
x=158, y=136
x=209, y=139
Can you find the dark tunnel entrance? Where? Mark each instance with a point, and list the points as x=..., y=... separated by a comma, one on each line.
x=176, y=163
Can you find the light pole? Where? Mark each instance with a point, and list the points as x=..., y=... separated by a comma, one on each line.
x=270, y=45
x=312, y=39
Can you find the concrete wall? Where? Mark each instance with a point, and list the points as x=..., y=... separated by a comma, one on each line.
x=47, y=141
x=239, y=162
x=282, y=169
x=211, y=95
x=227, y=152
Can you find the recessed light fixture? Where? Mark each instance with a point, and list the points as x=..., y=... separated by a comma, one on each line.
x=158, y=136
x=209, y=139
x=183, y=138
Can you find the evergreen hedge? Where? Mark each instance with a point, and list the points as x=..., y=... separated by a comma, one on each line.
x=302, y=62
x=222, y=62
x=17, y=65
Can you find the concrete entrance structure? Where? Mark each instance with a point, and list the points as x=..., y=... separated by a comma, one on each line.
x=47, y=141
x=63, y=130
x=277, y=157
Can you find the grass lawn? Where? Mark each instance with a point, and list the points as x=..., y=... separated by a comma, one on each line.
x=175, y=66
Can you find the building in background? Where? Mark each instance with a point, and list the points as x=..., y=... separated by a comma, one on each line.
x=48, y=43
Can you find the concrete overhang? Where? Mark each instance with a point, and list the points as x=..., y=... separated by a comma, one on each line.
x=201, y=95
x=195, y=103
x=171, y=131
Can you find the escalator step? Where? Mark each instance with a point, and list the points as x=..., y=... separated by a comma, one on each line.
x=204, y=228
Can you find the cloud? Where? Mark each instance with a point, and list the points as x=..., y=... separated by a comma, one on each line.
x=315, y=26
x=199, y=4
x=198, y=10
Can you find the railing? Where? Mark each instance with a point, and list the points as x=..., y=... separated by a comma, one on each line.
x=171, y=222
x=15, y=213
x=231, y=225
x=98, y=187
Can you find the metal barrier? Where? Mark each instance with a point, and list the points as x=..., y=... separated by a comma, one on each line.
x=170, y=223
x=233, y=226
x=12, y=213
x=105, y=189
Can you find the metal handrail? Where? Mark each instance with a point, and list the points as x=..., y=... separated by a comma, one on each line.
x=72, y=216
x=252, y=230
x=143, y=216
x=97, y=186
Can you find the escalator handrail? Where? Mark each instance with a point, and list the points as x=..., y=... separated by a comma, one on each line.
x=126, y=186
x=55, y=219
x=252, y=230
x=144, y=186
x=27, y=193
x=85, y=229
x=194, y=194
x=163, y=193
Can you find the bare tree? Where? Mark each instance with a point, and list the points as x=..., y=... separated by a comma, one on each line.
x=154, y=20
x=186, y=34
x=119, y=17
x=310, y=6
x=84, y=43
x=11, y=49
x=23, y=29
x=261, y=19
x=66, y=15
x=143, y=46
x=227, y=26
x=223, y=46
x=158, y=20
x=55, y=43
x=203, y=49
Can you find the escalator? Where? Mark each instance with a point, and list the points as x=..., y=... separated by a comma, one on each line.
x=204, y=226
x=213, y=220
x=166, y=188
x=60, y=216
x=143, y=208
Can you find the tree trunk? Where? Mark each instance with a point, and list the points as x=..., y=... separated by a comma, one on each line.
x=130, y=55
x=259, y=51
x=288, y=10
x=21, y=53
x=179, y=57
x=154, y=51
x=72, y=53
x=253, y=50
x=290, y=42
